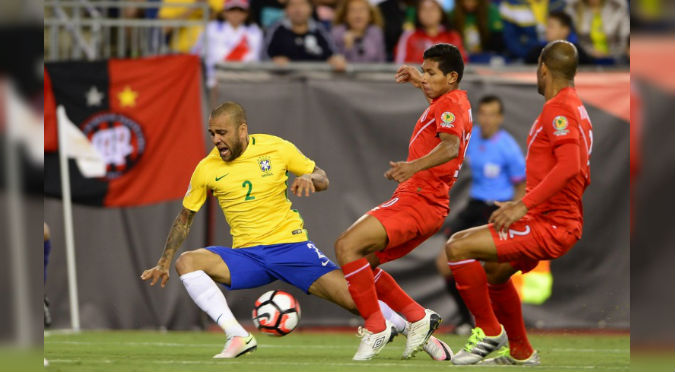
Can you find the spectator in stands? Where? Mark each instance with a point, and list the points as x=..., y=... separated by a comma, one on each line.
x=558, y=27
x=524, y=23
x=229, y=38
x=399, y=16
x=300, y=38
x=267, y=12
x=325, y=11
x=603, y=26
x=182, y=39
x=357, y=32
x=431, y=28
x=480, y=25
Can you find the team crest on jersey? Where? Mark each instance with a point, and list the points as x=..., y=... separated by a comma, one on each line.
x=560, y=126
x=448, y=118
x=265, y=164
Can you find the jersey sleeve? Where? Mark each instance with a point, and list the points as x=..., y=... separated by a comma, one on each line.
x=296, y=161
x=196, y=193
x=567, y=164
x=449, y=119
x=560, y=125
x=515, y=162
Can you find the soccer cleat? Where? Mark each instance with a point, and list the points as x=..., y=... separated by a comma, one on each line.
x=437, y=349
x=479, y=346
x=504, y=358
x=237, y=346
x=372, y=343
x=418, y=333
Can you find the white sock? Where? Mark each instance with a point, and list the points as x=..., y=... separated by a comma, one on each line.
x=392, y=316
x=206, y=294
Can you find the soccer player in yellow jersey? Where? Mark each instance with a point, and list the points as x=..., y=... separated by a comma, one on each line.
x=248, y=174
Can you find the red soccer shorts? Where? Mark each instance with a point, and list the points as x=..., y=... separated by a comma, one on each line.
x=409, y=219
x=533, y=238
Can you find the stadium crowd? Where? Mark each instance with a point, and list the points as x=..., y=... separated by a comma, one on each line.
x=492, y=32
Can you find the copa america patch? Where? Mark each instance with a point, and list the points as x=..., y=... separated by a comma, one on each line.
x=447, y=118
x=118, y=139
x=560, y=125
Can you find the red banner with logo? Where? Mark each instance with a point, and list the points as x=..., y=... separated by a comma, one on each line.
x=142, y=117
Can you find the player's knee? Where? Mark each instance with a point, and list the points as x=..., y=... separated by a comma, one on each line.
x=455, y=249
x=185, y=263
x=343, y=249
x=47, y=232
x=442, y=264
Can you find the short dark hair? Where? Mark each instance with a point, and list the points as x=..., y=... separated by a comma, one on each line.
x=563, y=18
x=234, y=110
x=490, y=98
x=448, y=57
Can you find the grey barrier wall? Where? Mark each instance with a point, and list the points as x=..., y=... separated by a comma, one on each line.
x=352, y=128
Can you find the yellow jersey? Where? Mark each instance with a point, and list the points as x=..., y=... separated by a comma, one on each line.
x=251, y=191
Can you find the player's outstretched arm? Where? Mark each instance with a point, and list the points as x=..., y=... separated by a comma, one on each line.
x=567, y=166
x=310, y=183
x=445, y=151
x=412, y=75
x=179, y=231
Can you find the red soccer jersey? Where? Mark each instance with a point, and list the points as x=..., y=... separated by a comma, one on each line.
x=563, y=120
x=449, y=113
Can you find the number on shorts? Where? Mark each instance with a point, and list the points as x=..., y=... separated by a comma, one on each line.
x=320, y=255
x=512, y=233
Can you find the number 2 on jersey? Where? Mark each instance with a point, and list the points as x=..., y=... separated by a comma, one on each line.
x=248, y=184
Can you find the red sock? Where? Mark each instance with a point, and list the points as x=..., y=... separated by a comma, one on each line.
x=507, y=308
x=361, y=286
x=471, y=283
x=390, y=292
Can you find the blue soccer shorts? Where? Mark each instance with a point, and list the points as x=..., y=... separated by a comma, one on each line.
x=299, y=264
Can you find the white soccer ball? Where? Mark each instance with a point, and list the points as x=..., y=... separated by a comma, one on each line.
x=276, y=313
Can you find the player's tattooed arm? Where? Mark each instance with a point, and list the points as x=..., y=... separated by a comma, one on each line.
x=445, y=151
x=179, y=231
x=310, y=183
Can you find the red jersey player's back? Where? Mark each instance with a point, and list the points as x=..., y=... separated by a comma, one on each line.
x=449, y=113
x=564, y=119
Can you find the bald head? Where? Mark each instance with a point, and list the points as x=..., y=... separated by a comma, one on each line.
x=233, y=110
x=561, y=58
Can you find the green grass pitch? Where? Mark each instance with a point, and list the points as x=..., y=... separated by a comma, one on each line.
x=309, y=351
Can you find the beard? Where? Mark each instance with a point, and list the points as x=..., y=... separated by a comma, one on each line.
x=235, y=151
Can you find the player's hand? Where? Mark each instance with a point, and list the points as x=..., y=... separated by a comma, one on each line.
x=508, y=213
x=303, y=184
x=155, y=274
x=409, y=74
x=400, y=171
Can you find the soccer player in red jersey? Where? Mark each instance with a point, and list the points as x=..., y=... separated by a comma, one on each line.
x=417, y=209
x=543, y=225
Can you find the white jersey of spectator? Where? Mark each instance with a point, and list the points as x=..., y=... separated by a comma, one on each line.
x=226, y=43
